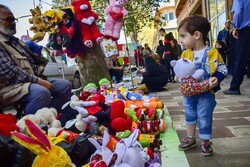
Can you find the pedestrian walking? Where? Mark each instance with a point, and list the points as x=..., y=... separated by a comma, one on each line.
x=199, y=108
x=241, y=32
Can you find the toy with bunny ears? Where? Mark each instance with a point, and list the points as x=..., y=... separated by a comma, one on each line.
x=128, y=153
x=47, y=153
x=189, y=77
x=114, y=21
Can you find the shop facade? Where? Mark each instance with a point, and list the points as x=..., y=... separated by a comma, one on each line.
x=216, y=11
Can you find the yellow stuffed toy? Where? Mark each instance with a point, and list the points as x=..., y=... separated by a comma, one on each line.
x=39, y=28
x=47, y=153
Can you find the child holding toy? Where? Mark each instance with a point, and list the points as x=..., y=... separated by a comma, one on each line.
x=199, y=108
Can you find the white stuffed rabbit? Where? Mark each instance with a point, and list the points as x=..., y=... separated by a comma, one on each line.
x=102, y=151
x=127, y=153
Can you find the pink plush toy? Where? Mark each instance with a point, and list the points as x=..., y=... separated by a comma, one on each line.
x=115, y=13
x=87, y=17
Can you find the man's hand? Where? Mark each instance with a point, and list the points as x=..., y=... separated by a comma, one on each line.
x=45, y=83
x=214, y=82
x=235, y=34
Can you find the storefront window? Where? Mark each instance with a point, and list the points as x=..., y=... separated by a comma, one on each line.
x=220, y=6
x=212, y=8
x=217, y=17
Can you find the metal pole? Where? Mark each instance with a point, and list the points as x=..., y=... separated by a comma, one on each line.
x=128, y=55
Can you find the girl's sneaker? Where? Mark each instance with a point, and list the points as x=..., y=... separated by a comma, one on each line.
x=187, y=143
x=207, y=149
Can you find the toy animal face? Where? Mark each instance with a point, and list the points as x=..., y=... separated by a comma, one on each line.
x=36, y=11
x=78, y=4
x=184, y=68
x=120, y=3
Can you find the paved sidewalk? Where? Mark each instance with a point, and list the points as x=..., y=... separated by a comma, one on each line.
x=231, y=127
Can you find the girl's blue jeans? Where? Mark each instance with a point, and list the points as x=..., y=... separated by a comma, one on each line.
x=199, y=109
x=40, y=96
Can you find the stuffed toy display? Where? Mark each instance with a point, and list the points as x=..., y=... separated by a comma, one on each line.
x=8, y=124
x=58, y=32
x=47, y=153
x=39, y=28
x=87, y=18
x=190, y=78
x=76, y=46
x=115, y=13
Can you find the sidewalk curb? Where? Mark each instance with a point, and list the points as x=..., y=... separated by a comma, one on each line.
x=171, y=156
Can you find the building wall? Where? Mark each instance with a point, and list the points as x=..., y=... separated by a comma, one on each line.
x=170, y=25
x=216, y=11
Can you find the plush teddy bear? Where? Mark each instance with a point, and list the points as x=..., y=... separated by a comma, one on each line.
x=8, y=124
x=87, y=17
x=115, y=13
x=190, y=78
x=20, y=123
x=39, y=28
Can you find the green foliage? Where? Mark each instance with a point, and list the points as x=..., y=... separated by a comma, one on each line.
x=141, y=13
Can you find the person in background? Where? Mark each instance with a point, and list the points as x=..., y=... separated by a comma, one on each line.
x=145, y=52
x=241, y=32
x=115, y=69
x=222, y=35
x=222, y=48
x=160, y=49
x=155, y=74
x=21, y=79
x=138, y=56
x=199, y=108
x=207, y=41
x=168, y=55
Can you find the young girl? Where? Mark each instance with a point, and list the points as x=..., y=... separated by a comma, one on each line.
x=199, y=108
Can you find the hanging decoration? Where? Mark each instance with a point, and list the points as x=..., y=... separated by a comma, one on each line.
x=109, y=47
x=114, y=21
x=39, y=28
x=87, y=17
x=58, y=33
x=76, y=46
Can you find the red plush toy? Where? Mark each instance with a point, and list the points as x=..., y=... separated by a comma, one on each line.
x=8, y=124
x=87, y=17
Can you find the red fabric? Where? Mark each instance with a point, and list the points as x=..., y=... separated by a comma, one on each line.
x=8, y=124
x=116, y=16
x=120, y=47
x=126, y=60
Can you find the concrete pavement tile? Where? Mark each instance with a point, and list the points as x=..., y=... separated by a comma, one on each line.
x=231, y=145
x=231, y=114
x=230, y=122
x=241, y=130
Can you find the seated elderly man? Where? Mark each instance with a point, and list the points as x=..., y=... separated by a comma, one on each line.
x=21, y=79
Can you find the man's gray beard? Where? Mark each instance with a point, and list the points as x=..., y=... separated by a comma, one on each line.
x=8, y=32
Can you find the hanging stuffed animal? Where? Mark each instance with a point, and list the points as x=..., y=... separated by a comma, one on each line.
x=39, y=28
x=87, y=17
x=115, y=13
x=58, y=32
x=76, y=46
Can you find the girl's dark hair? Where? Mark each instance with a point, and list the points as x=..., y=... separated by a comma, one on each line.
x=195, y=23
